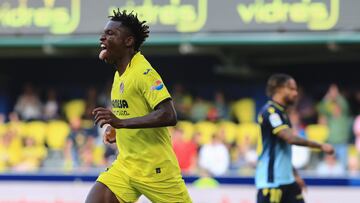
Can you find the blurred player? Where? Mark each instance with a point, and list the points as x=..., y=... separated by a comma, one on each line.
x=276, y=180
x=141, y=110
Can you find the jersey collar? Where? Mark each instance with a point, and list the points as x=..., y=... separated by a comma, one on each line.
x=277, y=105
x=132, y=62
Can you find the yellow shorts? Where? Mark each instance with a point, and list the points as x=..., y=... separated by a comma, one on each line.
x=129, y=189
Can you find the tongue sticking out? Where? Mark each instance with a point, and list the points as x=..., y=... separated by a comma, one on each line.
x=103, y=54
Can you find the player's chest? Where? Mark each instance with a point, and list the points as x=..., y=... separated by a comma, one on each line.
x=123, y=98
x=123, y=89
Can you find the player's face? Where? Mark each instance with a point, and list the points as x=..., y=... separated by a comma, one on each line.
x=290, y=91
x=113, y=42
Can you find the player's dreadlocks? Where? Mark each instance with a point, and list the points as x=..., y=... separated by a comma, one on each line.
x=138, y=29
x=275, y=81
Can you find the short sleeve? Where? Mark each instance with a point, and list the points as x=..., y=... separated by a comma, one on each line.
x=275, y=120
x=152, y=87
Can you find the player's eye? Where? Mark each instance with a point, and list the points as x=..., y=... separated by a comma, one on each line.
x=109, y=32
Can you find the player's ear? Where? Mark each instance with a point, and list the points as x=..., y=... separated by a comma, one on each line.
x=129, y=41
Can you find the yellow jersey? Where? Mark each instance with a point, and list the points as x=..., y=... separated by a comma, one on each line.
x=145, y=154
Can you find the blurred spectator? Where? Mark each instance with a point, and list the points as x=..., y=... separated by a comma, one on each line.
x=353, y=165
x=199, y=110
x=214, y=157
x=2, y=120
x=51, y=106
x=28, y=104
x=32, y=155
x=330, y=167
x=219, y=110
x=185, y=150
x=182, y=101
x=91, y=102
x=300, y=155
x=356, y=130
x=104, y=98
x=15, y=124
x=77, y=144
x=10, y=150
x=334, y=111
x=244, y=157
x=221, y=105
x=306, y=108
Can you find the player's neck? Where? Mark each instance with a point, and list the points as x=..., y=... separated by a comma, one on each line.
x=278, y=99
x=124, y=61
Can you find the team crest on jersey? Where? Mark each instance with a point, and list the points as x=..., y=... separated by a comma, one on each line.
x=158, y=85
x=122, y=87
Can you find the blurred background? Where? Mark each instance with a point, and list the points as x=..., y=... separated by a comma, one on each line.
x=214, y=57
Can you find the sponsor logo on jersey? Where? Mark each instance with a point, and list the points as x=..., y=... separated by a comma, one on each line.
x=158, y=85
x=275, y=120
x=120, y=103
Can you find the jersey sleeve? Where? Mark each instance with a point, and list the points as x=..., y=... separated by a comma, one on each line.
x=275, y=120
x=152, y=87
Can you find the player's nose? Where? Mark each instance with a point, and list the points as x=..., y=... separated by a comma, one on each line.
x=102, y=37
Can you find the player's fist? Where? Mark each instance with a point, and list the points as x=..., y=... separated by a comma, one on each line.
x=327, y=148
x=109, y=136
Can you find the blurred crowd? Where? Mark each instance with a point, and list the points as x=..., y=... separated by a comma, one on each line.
x=215, y=136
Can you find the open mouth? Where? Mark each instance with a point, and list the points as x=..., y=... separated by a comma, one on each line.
x=103, y=52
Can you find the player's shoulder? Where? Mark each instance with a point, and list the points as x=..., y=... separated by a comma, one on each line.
x=270, y=108
x=145, y=70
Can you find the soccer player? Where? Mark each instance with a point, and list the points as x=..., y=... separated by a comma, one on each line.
x=141, y=109
x=276, y=180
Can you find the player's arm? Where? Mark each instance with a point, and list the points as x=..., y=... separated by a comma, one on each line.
x=164, y=114
x=288, y=136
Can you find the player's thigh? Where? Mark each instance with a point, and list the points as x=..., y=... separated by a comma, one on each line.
x=269, y=195
x=100, y=193
x=171, y=190
x=293, y=194
x=119, y=184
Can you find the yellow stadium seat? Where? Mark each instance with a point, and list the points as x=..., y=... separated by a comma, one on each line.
x=188, y=128
x=317, y=132
x=352, y=151
x=229, y=129
x=248, y=133
x=244, y=110
x=74, y=108
x=17, y=127
x=15, y=151
x=207, y=130
x=56, y=134
x=36, y=130
x=98, y=155
x=33, y=156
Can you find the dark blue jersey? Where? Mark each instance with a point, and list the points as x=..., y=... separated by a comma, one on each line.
x=274, y=167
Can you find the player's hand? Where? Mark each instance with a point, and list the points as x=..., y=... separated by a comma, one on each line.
x=109, y=136
x=327, y=148
x=104, y=116
x=301, y=183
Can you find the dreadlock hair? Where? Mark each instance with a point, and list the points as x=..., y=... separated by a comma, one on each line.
x=275, y=81
x=138, y=29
